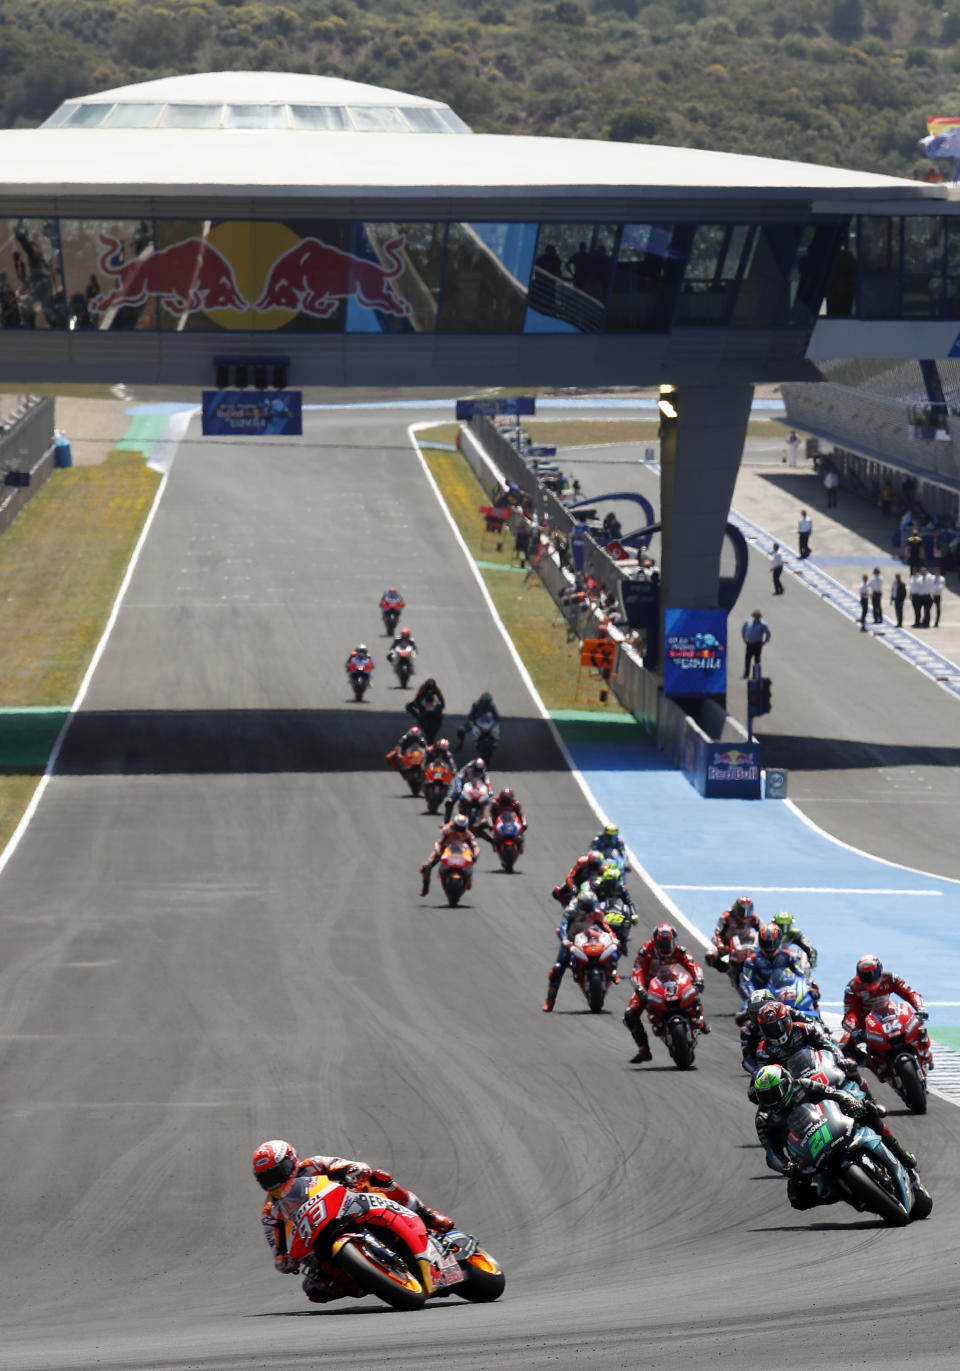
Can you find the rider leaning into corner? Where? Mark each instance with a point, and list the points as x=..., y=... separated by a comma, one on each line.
x=778, y=1093
x=275, y=1163
x=870, y=985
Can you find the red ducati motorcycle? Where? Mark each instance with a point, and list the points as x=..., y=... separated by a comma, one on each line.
x=673, y=1008
x=898, y=1050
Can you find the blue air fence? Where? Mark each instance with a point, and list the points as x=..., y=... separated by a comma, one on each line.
x=495, y=461
x=27, y=448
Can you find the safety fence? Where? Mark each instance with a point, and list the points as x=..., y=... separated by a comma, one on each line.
x=27, y=454
x=494, y=461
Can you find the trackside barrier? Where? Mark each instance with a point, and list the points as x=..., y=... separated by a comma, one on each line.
x=26, y=447
x=686, y=745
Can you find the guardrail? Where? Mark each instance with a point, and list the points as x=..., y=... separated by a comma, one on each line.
x=26, y=445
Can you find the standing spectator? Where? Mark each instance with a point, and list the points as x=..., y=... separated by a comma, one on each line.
x=793, y=446
x=776, y=566
x=534, y=539
x=864, y=602
x=521, y=537
x=886, y=497
x=914, y=550
x=831, y=481
x=926, y=597
x=898, y=593
x=939, y=584
x=876, y=595
x=804, y=529
x=754, y=633
x=916, y=595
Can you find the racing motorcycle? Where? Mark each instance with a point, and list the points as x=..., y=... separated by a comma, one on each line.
x=787, y=975
x=730, y=959
x=391, y=617
x=507, y=838
x=621, y=917
x=898, y=1051
x=360, y=678
x=673, y=1008
x=430, y=720
x=411, y=767
x=815, y=1064
x=365, y=1244
x=436, y=782
x=593, y=960
x=402, y=659
x=846, y=1159
x=483, y=737
x=473, y=801
x=456, y=869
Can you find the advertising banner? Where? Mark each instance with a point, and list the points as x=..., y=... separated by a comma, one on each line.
x=252, y=413
x=506, y=404
x=732, y=770
x=695, y=658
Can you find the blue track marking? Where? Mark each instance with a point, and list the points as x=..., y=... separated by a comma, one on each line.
x=703, y=853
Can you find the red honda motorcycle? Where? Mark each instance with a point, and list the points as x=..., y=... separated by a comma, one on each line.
x=436, y=782
x=673, y=1008
x=360, y=677
x=898, y=1050
x=456, y=869
x=411, y=767
x=365, y=1244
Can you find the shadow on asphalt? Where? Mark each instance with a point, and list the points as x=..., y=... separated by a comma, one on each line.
x=214, y=742
x=840, y=754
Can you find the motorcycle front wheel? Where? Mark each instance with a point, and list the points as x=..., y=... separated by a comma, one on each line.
x=679, y=1042
x=876, y=1199
x=403, y=673
x=596, y=988
x=454, y=888
x=483, y=1281
x=910, y=1084
x=380, y=1271
x=433, y=794
x=508, y=856
x=414, y=779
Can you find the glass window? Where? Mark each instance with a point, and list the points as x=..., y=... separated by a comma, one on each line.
x=711, y=275
x=880, y=244
x=424, y=120
x=763, y=298
x=255, y=117
x=132, y=116
x=650, y=261
x=303, y=276
x=842, y=286
x=109, y=267
x=59, y=115
x=87, y=116
x=923, y=297
x=378, y=119
x=953, y=247
x=571, y=278
x=191, y=117
x=485, y=279
x=202, y=275
x=880, y=297
x=333, y=117
x=453, y=121
x=396, y=278
x=924, y=242
x=31, y=277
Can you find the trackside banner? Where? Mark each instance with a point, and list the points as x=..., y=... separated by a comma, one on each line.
x=252, y=413
x=695, y=651
x=731, y=770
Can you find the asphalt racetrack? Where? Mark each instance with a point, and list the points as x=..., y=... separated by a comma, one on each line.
x=212, y=935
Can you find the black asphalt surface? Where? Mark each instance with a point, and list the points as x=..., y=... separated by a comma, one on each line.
x=212, y=935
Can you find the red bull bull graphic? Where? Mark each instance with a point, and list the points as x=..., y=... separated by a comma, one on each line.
x=313, y=277
x=187, y=277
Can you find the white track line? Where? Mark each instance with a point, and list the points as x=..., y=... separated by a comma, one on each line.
x=588, y=794
x=805, y=889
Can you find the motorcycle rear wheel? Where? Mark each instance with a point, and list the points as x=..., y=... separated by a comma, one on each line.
x=596, y=988
x=483, y=1281
x=679, y=1043
x=875, y=1197
x=911, y=1089
x=381, y=1272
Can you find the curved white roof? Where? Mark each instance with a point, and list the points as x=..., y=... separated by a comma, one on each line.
x=254, y=87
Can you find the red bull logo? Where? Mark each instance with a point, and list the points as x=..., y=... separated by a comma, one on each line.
x=185, y=278
x=196, y=276
x=313, y=277
x=733, y=758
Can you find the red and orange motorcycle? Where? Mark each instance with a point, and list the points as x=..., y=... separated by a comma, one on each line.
x=456, y=869
x=410, y=767
x=673, y=1008
x=362, y=1243
x=898, y=1050
x=437, y=777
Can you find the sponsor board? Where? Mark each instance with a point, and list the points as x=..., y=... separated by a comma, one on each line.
x=732, y=770
x=695, y=651
x=251, y=413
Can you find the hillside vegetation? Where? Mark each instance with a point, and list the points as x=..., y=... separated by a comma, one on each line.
x=843, y=82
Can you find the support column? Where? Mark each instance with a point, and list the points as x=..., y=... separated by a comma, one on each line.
x=700, y=453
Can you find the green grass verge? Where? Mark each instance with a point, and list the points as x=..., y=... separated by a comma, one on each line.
x=570, y=433
x=530, y=616
x=61, y=564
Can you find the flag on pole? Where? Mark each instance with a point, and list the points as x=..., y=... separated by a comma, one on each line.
x=943, y=136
